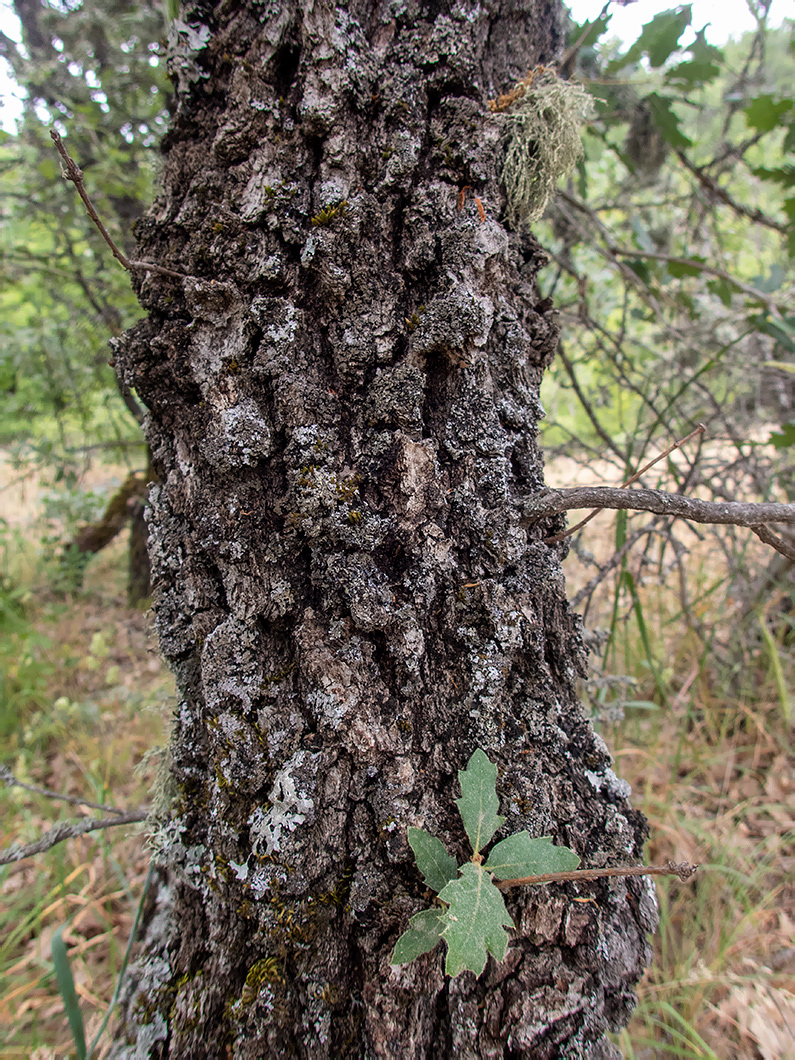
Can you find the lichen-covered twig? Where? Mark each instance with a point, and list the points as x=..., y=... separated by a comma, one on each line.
x=733, y=513
x=642, y=471
x=68, y=830
x=684, y=870
x=770, y=538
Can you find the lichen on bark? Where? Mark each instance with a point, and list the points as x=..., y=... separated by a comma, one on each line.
x=343, y=417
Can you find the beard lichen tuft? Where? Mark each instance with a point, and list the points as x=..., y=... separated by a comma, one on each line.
x=542, y=117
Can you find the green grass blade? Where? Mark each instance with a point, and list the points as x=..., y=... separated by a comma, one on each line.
x=66, y=985
x=687, y=1035
x=127, y=952
x=637, y=605
x=778, y=671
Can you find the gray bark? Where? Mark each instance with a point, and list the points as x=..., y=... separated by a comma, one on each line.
x=343, y=408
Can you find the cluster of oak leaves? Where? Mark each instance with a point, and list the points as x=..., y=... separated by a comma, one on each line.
x=471, y=916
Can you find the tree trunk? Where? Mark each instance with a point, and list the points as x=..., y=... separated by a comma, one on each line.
x=344, y=399
x=121, y=509
x=138, y=580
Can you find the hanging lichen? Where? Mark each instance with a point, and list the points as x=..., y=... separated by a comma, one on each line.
x=541, y=143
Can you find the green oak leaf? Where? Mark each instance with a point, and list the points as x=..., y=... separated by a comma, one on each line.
x=433, y=861
x=678, y=269
x=475, y=921
x=765, y=113
x=641, y=270
x=704, y=64
x=666, y=120
x=424, y=932
x=784, y=175
x=784, y=438
x=658, y=39
x=519, y=855
x=595, y=30
x=722, y=289
x=478, y=804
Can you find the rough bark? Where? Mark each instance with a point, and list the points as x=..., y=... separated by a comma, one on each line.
x=138, y=579
x=343, y=406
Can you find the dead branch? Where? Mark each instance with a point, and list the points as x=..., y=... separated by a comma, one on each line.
x=73, y=172
x=638, y=474
x=8, y=778
x=713, y=188
x=68, y=830
x=684, y=870
x=734, y=513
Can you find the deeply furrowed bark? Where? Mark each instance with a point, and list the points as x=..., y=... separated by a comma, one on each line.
x=343, y=413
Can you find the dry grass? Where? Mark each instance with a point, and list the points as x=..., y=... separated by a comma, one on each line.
x=84, y=696
x=712, y=770
x=110, y=703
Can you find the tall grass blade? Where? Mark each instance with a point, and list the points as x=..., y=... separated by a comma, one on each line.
x=66, y=985
x=778, y=671
x=637, y=605
x=127, y=952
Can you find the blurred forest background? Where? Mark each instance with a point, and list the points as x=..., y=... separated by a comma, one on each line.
x=671, y=264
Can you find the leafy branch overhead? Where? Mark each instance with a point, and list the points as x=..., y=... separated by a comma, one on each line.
x=471, y=916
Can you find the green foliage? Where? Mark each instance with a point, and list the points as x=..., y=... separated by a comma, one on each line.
x=666, y=120
x=475, y=921
x=673, y=269
x=95, y=72
x=784, y=438
x=472, y=917
x=478, y=803
x=25, y=662
x=425, y=930
x=433, y=861
x=658, y=40
x=519, y=855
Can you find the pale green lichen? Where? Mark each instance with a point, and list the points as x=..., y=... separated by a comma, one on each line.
x=288, y=809
x=541, y=142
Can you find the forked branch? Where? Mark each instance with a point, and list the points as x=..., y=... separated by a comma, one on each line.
x=73, y=172
x=734, y=513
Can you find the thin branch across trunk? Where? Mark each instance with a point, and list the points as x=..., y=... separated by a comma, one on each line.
x=734, y=513
x=68, y=830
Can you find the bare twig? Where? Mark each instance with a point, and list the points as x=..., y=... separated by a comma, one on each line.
x=746, y=288
x=571, y=53
x=68, y=830
x=573, y=529
x=73, y=172
x=733, y=513
x=589, y=411
x=684, y=870
x=8, y=777
x=715, y=189
x=588, y=589
x=770, y=538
